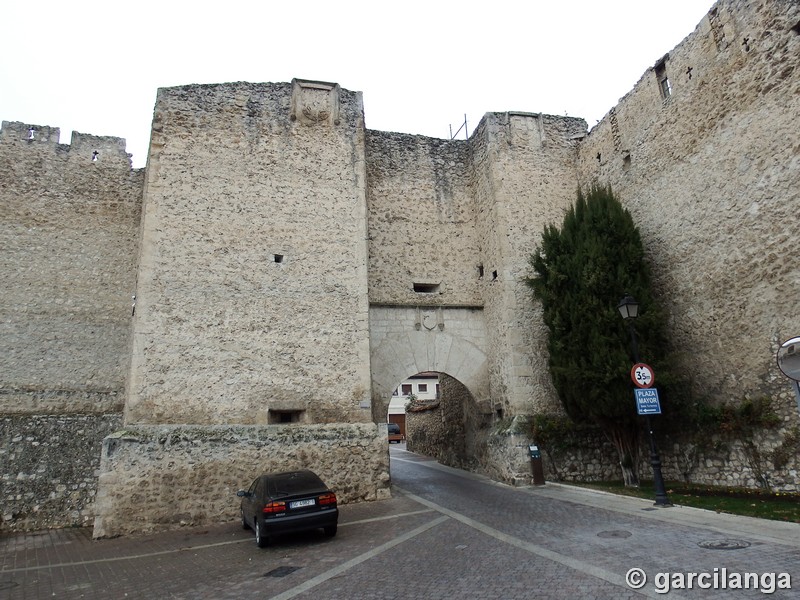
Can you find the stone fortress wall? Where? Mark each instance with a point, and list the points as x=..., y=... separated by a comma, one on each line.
x=69, y=240
x=280, y=251
x=710, y=173
x=70, y=244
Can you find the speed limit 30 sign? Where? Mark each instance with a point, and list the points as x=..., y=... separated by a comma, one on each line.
x=642, y=375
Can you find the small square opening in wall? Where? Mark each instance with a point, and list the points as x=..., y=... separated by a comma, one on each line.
x=626, y=161
x=277, y=258
x=426, y=288
x=284, y=417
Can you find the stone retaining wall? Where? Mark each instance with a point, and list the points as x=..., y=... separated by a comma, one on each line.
x=49, y=472
x=161, y=477
x=724, y=459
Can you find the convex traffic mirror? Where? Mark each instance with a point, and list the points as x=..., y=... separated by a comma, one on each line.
x=789, y=358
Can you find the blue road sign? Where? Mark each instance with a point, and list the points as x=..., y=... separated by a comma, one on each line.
x=647, y=401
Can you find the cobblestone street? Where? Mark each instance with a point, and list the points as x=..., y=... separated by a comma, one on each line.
x=445, y=533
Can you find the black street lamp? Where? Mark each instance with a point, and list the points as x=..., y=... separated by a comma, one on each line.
x=629, y=309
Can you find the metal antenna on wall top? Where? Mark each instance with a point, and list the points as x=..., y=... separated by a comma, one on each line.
x=463, y=126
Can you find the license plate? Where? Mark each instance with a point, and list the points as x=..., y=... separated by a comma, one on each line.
x=301, y=503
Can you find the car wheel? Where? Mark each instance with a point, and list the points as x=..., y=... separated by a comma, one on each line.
x=244, y=522
x=330, y=530
x=261, y=539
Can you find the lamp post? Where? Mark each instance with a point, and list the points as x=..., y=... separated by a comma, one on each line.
x=629, y=309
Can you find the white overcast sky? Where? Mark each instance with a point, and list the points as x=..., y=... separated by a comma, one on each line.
x=95, y=66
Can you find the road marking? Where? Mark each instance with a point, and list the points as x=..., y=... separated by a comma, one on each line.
x=323, y=577
x=190, y=548
x=387, y=517
x=118, y=558
x=567, y=561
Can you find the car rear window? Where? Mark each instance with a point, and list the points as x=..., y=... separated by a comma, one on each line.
x=299, y=482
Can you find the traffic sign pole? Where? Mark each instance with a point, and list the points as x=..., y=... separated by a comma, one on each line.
x=658, y=480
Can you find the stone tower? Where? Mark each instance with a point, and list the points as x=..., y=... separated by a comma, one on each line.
x=251, y=302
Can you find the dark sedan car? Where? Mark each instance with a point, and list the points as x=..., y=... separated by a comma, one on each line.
x=394, y=433
x=289, y=502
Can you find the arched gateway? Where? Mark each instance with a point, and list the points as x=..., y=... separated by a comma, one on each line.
x=409, y=340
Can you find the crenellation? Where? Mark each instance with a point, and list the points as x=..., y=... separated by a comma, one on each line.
x=82, y=146
x=28, y=132
x=100, y=150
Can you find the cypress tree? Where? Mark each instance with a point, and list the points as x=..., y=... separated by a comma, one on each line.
x=581, y=272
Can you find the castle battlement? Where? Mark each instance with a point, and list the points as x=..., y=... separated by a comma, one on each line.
x=97, y=149
x=28, y=132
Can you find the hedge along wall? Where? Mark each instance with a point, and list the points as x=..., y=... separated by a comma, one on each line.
x=157, y=477
x=762, y=455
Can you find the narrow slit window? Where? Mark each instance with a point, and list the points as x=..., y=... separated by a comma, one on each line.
x=663, y=81
x=666, y=88
x=426, y=288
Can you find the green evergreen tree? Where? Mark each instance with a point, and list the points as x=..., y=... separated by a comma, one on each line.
x=581, y=273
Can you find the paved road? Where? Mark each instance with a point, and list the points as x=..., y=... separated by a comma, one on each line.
x=445, y=533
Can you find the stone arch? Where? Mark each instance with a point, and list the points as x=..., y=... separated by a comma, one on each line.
x=405, y=341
